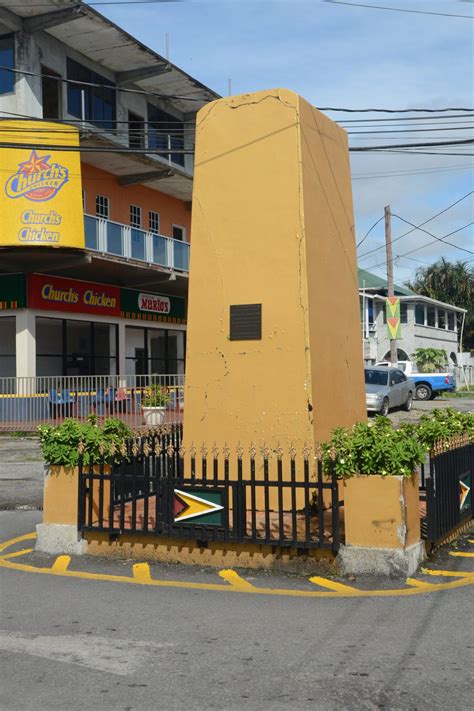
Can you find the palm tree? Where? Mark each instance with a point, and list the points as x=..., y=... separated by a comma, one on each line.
x=451, y=282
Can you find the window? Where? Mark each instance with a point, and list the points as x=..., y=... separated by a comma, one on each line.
x=398, y=377
x=135, y=216
x=7, y=348
x=375, y=377
x=451, y=321
x=95, y=104
x=166, y=132
x=154, y=222
x=441, y=318
x=102, y=206
x=154, y=350
x=403, y=313
x=7, y=59
x=431, y=316
x=50, y=93
x=420, y=314
x=73, y=347
x=136, y=130
x=178, y=233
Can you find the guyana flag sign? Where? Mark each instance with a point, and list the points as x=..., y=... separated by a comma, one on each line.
x=392, y=310
x=201, y=505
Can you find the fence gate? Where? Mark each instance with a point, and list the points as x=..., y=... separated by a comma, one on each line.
x=446, y=489
x=260, y=498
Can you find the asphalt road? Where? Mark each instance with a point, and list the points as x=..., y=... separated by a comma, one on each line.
x=68, y=643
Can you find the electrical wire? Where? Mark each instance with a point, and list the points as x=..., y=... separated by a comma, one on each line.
x=430, y=219
x=189, y=98
x=368, y=233
x=437, y=239
x=391, y=9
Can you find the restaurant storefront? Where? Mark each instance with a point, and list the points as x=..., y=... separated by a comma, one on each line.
x=53, y=326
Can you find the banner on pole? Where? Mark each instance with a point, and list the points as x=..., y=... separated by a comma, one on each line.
x=392, y=311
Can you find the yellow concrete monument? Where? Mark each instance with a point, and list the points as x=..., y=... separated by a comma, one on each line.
x=274, y=351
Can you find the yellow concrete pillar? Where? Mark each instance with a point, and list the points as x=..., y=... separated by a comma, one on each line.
x=382, y=525
x=272, y=225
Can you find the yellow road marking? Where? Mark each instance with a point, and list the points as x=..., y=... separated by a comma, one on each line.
x=420, y=583
x=237, y=584
x=24, y=551
x=18, y=539
x=236, y=581
x=447, y=573
x=461, y=555
x=61, y=564
x=141, y=572
x=333, y=585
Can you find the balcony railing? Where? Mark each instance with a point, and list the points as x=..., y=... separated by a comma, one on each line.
x=121, y=240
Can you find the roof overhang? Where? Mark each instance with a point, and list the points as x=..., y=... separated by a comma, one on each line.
x=92, y=266
x=426, y=299
x=99, y=39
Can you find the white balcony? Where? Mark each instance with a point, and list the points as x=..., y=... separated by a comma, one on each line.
x=108, y=237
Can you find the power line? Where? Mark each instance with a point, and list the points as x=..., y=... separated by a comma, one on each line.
x=428, y=244
x=463, y=141
x=394, y=9
x=437, y=239
x=421, y=224
x=408, y=173
x=110, y=87
x=189, y=98
x=368, y=233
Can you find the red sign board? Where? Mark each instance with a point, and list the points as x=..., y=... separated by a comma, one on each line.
x=59, y=294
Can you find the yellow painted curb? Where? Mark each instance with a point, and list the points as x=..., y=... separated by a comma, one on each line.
x=233, y=581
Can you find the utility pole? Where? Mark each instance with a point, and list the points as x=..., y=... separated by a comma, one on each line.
x=388, y=249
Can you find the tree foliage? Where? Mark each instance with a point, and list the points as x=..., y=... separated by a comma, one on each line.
x=453, y=283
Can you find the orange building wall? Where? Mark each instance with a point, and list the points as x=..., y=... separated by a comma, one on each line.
x=99, y=182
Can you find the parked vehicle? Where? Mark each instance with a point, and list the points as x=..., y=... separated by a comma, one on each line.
x=427, y=385
x=386, y=388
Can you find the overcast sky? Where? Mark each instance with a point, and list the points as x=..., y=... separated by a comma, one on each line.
x=341, y=56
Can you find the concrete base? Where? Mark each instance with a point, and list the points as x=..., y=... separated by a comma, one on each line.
x=59, y=538
x=390, y=562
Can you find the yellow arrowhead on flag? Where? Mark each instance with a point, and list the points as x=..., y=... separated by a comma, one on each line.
x=194, y=506
x=464, y=490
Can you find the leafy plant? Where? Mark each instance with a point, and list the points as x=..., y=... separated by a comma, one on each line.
x=443, y=426
x=60, y=445
x=374, y=447
x=155, y=396
x=429, y=359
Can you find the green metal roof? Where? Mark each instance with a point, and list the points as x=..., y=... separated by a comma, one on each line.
x=373, y=282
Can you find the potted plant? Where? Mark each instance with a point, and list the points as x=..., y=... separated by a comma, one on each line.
x=154, y=402
x=378, y=465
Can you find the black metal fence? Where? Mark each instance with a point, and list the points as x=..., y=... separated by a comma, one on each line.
x=257, y=497
x=446, y=491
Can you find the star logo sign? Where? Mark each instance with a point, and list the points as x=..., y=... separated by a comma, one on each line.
x=37, y=179
x=34, y=164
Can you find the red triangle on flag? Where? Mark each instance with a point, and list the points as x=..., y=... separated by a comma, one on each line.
x=394, y=322
x=393, y=300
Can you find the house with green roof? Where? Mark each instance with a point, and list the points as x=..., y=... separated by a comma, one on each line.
x=425, y=322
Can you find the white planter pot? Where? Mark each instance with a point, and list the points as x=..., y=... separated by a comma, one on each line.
x=154, y=415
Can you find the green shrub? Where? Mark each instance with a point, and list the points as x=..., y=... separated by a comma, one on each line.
x=443, y=426
x=60, y=445
x=374, y=447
